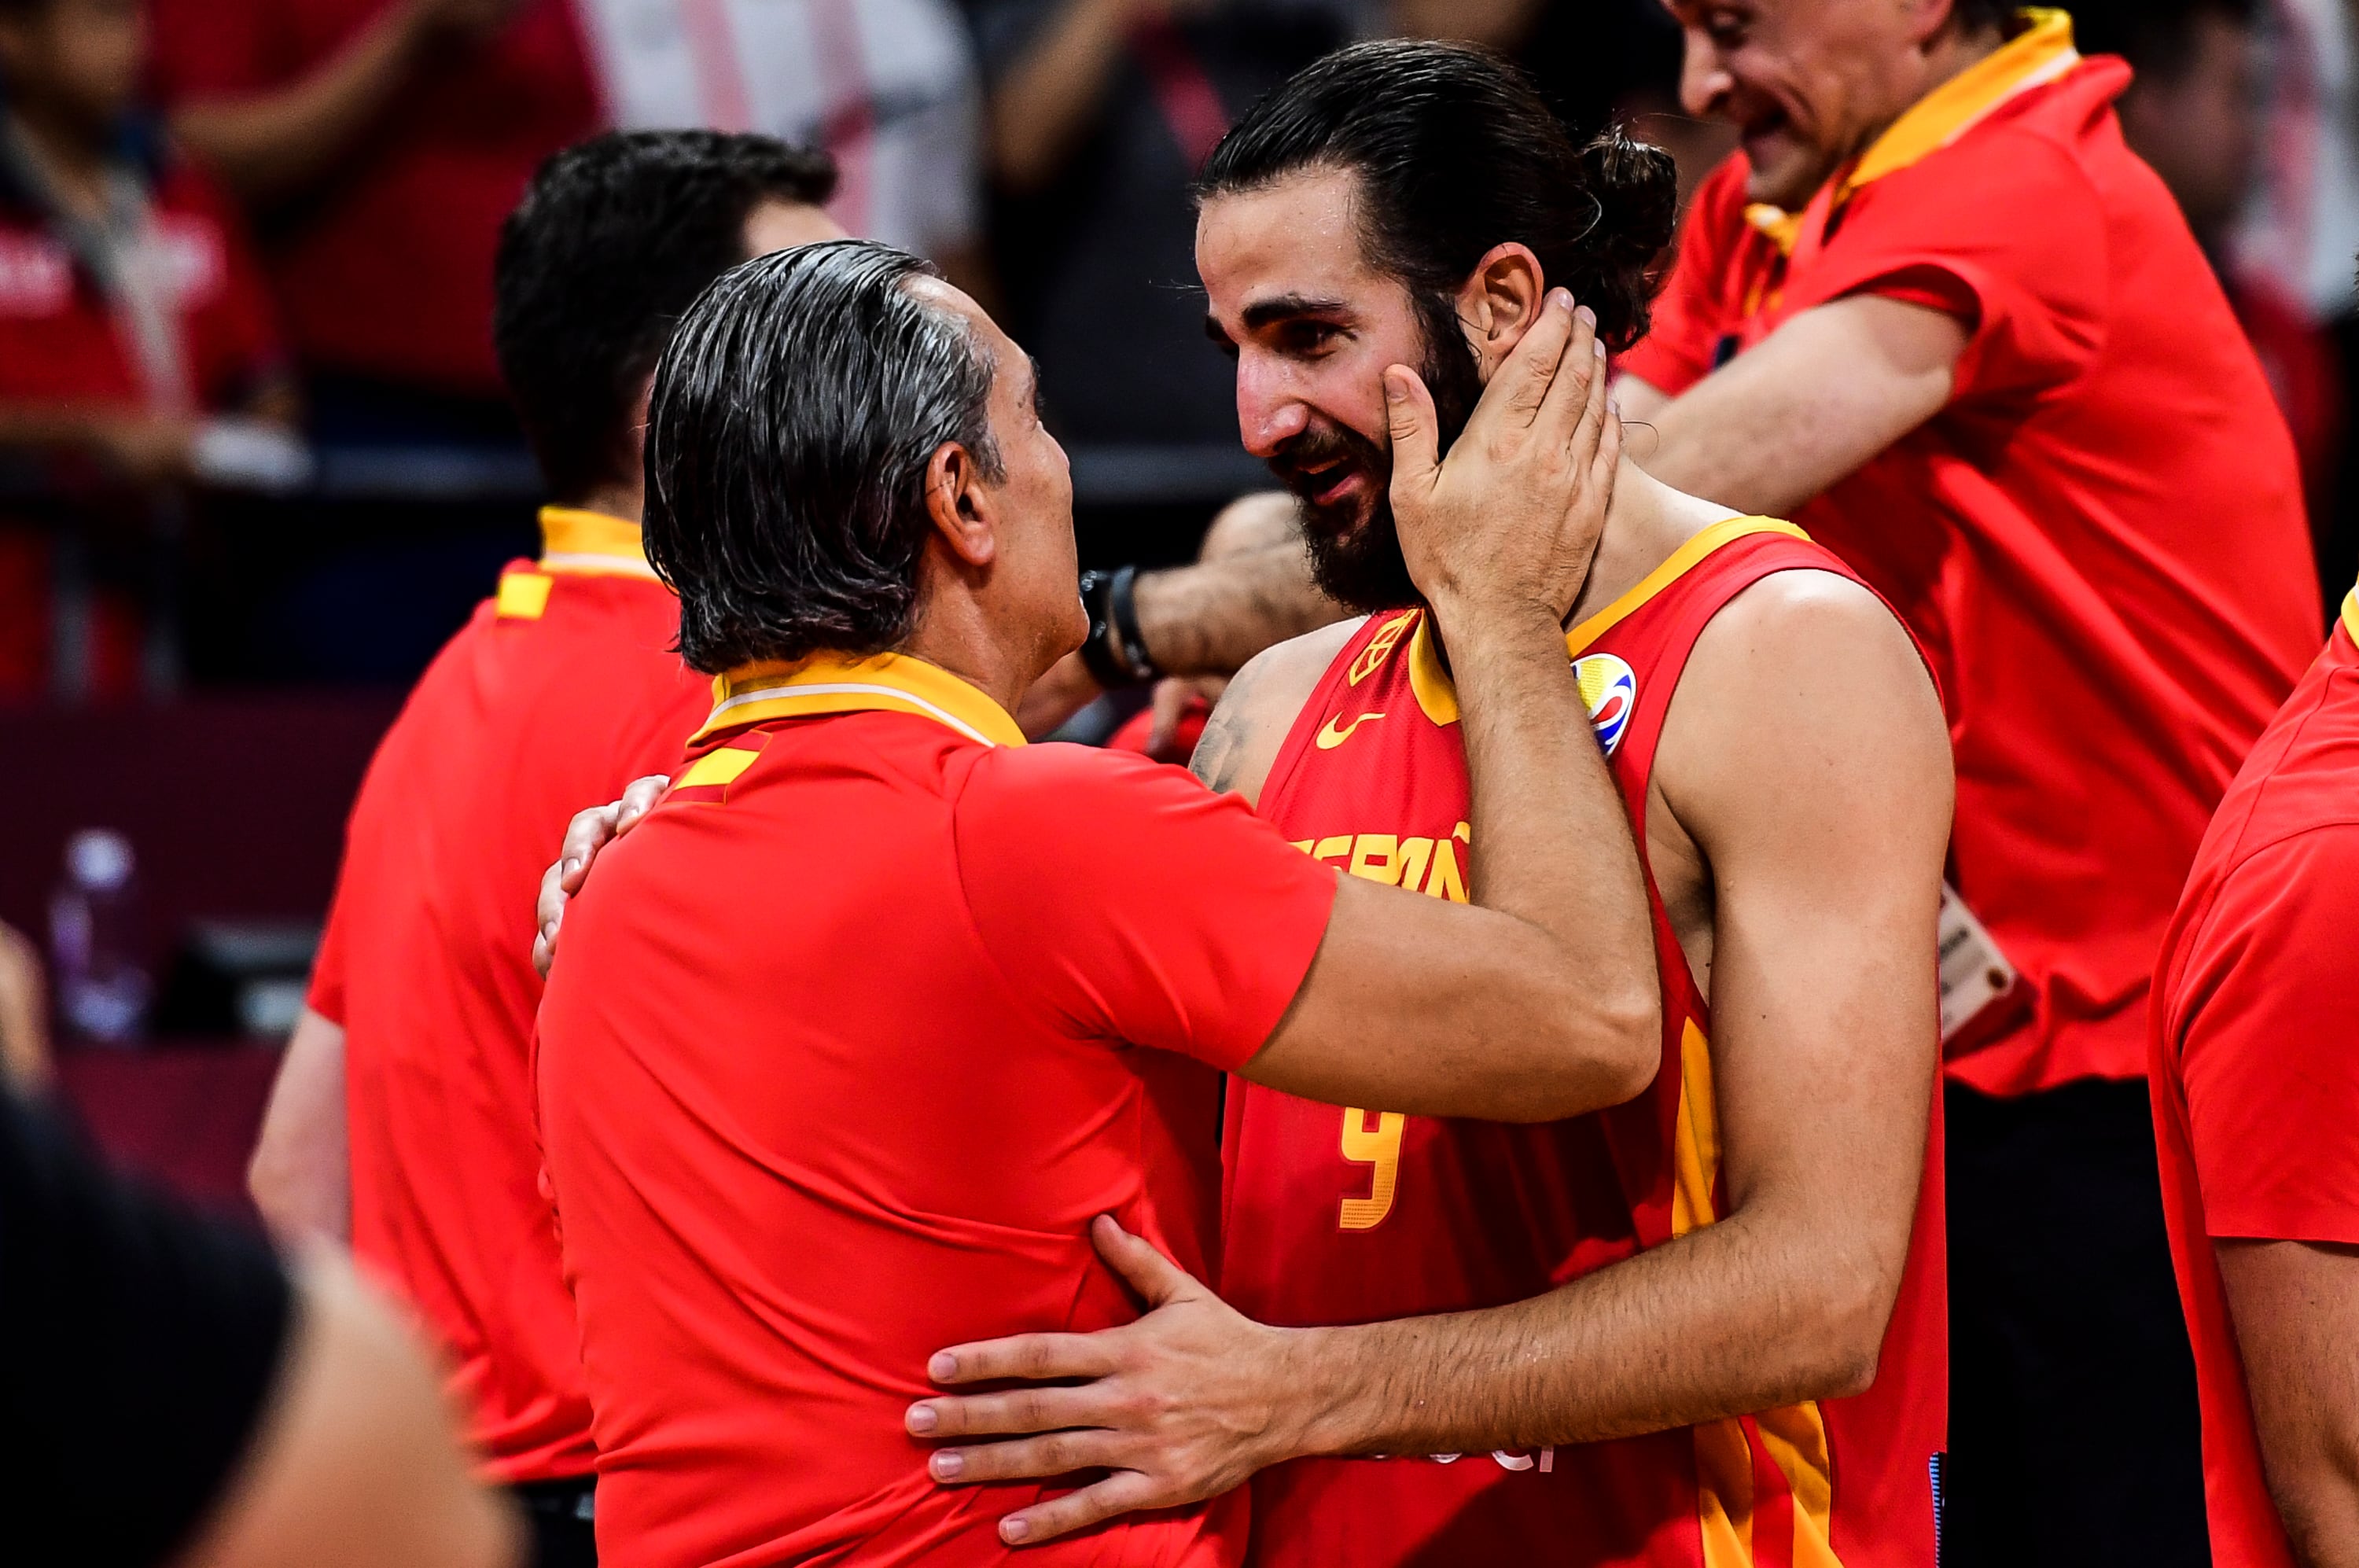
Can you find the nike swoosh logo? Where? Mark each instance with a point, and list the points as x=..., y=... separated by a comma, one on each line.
x=1331, y=737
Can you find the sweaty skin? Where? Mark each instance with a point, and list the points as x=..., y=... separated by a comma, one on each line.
x=1796, y=825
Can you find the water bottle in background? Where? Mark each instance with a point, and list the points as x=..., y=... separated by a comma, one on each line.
x=95, y=940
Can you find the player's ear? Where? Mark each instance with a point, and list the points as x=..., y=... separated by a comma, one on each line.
x=1500, y=300
x=960, y=506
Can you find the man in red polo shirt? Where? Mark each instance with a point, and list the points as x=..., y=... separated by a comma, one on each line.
x=412, y=1055
x=879, y=1014
x=2256, y=1113
x=131, y=308
x=1937, y=313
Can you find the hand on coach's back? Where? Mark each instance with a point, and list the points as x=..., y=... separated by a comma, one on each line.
x=589, y=833
x=1511, y=518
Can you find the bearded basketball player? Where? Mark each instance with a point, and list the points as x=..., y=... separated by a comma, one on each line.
x=1705, y=1328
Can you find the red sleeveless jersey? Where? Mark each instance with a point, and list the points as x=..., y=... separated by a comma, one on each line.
x=1338, y=1217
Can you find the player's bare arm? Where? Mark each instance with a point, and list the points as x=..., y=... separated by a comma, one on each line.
x=2296, y=1307
x=1804, y=772
x=300, y=1175
x=1810, y=405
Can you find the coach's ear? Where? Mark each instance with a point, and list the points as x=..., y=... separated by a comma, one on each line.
x=964, y=514
x=1500, y=300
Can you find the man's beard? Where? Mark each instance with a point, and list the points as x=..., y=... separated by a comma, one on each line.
x=1358, y=563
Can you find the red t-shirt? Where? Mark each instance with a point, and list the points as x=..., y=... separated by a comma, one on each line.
x=558, y=692
x=59, y=337
x=2100, y=542
x=386, y=270
x=2256, y=1082
x=59, y=343
x=842, y=1054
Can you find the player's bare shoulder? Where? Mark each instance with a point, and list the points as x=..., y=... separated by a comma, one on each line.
x=1804, y=682
x=1248, y=725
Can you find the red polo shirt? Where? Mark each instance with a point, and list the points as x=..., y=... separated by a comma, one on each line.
x=2100, y=542
x=559, y=692
x=386, y=269
x=2256, y=1082
x=59, y=338
x=59, y=343
x=849, y=1040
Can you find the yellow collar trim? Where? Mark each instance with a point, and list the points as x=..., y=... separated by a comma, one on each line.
x=2351, y=613
x=1438, y=695
x=2039, y=54
x=834, y=683
x=591, y=544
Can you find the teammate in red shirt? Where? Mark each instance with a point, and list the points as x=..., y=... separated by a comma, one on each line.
x=131, y=308
x=1937, y=312
x=403, y=1113
x=869, y=1017
x=2256, y=1112
x=1705, y=1328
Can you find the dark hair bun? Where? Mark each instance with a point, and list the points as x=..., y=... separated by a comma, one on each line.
x=1636, y=187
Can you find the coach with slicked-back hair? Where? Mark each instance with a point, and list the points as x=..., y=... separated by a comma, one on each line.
x=880, y=1012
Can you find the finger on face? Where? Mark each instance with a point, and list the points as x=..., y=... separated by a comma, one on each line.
x=1031, y=1357
x=1124, y=1491
x=1009, y=1411
x=1591, y=429
x=1024, y=1459
x=1541, y=352
x=1568, y=397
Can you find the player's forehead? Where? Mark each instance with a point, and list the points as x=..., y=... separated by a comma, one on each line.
x=1292, y=243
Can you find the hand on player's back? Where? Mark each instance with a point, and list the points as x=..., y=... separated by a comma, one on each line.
x=589, y=833
x=1512, y=516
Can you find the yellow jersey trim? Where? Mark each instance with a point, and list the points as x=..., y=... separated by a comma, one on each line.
x=1438, y=695
x=721, y=767
x=2351, y=613
x=835, y=683
x=591, y=544
x=523, y=595
x=2039, y=54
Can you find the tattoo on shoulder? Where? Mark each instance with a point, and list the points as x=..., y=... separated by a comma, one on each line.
x=1219, y=751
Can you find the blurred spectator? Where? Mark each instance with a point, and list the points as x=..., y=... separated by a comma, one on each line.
x=1101, y=112
x=381, y=142
x=2194, y=112
x=1617, y=61
x=887, y=87
x=176, y=1396
x=2302, y=226
x=24, y=1013
x=130, y=309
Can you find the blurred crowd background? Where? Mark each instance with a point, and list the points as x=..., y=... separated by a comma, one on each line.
x=255, y=465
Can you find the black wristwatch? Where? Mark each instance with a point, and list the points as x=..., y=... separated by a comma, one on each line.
x=1117, y=655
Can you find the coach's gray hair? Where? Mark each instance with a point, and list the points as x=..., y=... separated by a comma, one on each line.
x=789, y=430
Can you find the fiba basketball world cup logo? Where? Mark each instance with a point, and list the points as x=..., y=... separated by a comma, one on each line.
x=1610, y=691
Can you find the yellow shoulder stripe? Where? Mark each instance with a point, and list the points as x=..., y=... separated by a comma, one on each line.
x=721, y=767
x=523, y=595
x=1682, y=562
